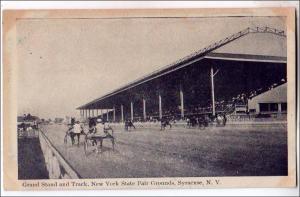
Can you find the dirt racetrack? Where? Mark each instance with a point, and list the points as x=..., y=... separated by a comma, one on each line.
x=234, y=150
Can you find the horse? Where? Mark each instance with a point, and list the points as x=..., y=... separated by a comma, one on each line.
x=128, y=124
x=95, y=138
x=72, y=135
x=202, y=122
x=192, y=122
x=221, y=119
x=164, y=123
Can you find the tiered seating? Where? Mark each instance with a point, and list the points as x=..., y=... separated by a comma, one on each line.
x=237, y=105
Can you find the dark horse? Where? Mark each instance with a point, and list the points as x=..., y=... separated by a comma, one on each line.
x=221, y=119
x=164, y=123
x=200, y=122
x=192, y=122
x=72, y=135
x=128, y=124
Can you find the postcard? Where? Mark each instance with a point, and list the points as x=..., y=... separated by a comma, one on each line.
x=149, y=98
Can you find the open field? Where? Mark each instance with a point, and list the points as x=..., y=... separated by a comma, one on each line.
x=234, y=150
x=31, y=163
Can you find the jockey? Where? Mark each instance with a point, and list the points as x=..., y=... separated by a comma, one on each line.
x=77, y=129
x=101, y=128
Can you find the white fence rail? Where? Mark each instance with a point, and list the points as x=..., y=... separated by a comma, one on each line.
x=57, y=166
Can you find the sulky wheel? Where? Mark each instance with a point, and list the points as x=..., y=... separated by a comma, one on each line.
x=85, y=146
x=201, y=126
x=66, y=139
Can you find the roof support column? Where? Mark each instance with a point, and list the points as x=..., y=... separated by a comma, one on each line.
x=93, y=114
x=122, y=114
x=279, y=108
x=212, y=91
x=89, y=113
x=181, y=102
x=107, y=115
x=97, y=112
x=114, y=114
x=131, y=110
x=144, y=109
x=159, y=106
x=102, y=114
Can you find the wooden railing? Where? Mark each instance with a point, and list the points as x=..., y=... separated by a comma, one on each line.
x=57, y=166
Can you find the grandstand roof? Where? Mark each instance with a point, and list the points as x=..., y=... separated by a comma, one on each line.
x=251, y=44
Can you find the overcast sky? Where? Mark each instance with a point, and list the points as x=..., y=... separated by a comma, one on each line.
x=64, y=63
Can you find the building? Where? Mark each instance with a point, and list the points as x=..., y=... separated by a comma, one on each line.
x=209, y=81
x=270, y=102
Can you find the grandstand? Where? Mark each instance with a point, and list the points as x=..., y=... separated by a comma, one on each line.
x=224, y=77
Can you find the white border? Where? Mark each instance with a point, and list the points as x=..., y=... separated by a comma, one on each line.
x=151, y=4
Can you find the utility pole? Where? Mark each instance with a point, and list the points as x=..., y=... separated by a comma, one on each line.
x=181, y=102
x=212, y=91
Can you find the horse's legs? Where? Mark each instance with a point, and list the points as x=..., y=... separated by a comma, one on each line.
x=113, y=143
x=78, y=138
x=94, y=142
x=66, y=138
x=101, y=142
x=98, y=146
x=72, y=138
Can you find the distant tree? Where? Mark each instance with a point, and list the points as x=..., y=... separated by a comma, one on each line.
x=29, y=117
x=58, y=120
x=67, y=119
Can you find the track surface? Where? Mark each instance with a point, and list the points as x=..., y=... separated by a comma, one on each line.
x=234, y=150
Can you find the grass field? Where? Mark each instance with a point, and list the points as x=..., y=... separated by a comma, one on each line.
x=31, y=163
x=234, y=150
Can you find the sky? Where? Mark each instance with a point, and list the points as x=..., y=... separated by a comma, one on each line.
x=65, y=63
